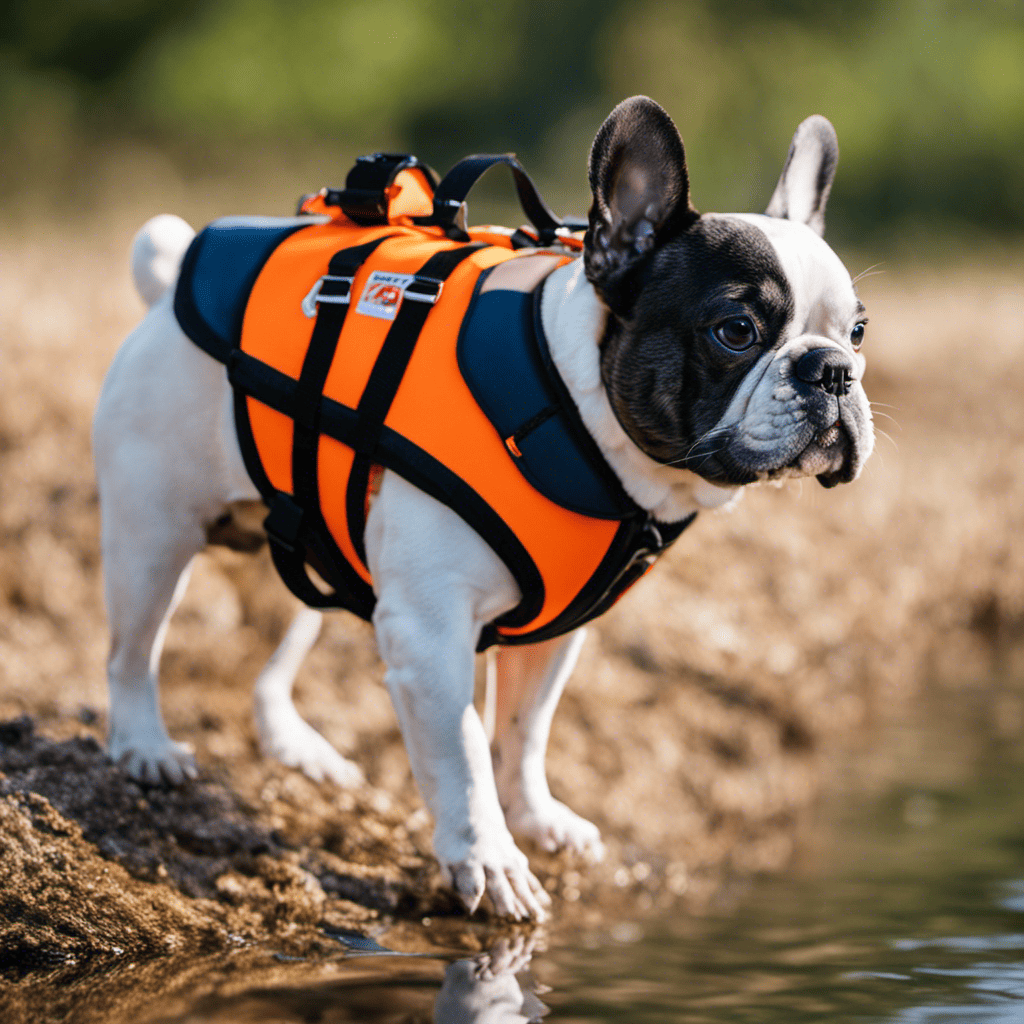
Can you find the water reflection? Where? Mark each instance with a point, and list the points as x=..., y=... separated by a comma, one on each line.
x=487, y=989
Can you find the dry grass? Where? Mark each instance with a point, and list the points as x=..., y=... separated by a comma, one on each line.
x=701, y=717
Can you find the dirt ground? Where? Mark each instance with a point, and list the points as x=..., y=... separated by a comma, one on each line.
x=698, y=731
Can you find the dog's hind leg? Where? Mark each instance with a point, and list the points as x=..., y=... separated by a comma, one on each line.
x=166, y=469
x=146, y=574
x=282, y=731
x=527, y=683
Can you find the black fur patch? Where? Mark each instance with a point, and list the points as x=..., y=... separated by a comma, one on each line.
x=668, y=379
x=641, y=193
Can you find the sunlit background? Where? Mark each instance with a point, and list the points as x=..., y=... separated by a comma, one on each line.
x=99, y=97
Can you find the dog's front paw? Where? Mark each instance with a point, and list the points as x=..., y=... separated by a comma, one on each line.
x=154, y=760
x=297, y=744
x=553, y=826
x=498, y=868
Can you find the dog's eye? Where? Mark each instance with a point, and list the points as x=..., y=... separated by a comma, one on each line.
x=857, y=335
x=737, y=333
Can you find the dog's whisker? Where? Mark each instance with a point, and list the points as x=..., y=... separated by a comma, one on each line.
x=893, y=419
x=705, y=457
x=704, y=437
x=871, y=271
x=888, y=437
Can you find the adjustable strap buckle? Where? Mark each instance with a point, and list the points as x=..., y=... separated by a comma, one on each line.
x=424, y=289
x=655, y=543
x=330, y=289
x=650, y=545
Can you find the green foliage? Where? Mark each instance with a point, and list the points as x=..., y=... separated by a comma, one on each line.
x=927, y=95
x=927, y=99
x=261, y=66
x=94, y=41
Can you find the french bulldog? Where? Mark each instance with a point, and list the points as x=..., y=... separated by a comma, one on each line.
x=704, y=353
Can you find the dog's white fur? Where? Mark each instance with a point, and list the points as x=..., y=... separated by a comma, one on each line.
x=169, y=465
x=763, y=404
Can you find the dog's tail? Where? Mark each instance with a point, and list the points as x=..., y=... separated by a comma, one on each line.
x=156, y=254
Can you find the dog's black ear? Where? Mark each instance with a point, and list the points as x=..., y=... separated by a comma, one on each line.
x=806, y=181
x=641, y=195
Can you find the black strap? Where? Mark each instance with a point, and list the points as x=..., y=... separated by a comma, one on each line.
x=571, y=415
x=295, y=526
x=286, y=526
x=386, y=376
x=451, y=193
x=332, y=307
x=251, y=377
x=271, y=387
x=417, y=302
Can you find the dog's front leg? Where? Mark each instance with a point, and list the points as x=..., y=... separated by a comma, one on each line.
x=528, y=682
x=437, y=584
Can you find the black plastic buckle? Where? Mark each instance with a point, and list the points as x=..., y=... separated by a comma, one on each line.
x=334, y=289
x=284, y=521
x=364, y=206
x=364, y=198
x=424, y=289
x=525, y=238
x=450, y=215
x=650, y=546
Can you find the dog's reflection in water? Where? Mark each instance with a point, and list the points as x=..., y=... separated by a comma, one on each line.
x=488, y=989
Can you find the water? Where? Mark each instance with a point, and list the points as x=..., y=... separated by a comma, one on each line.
x=910, y=911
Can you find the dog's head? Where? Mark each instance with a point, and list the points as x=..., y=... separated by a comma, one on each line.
x=732, y=345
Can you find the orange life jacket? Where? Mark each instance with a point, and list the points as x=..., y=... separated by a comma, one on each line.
x=354, y=347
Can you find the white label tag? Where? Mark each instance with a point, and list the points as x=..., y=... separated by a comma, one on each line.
x=382, y=294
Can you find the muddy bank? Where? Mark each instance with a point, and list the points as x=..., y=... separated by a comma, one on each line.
x=698, y=729
x=79, y=842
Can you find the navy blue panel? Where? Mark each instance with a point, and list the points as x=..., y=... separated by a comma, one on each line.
x=218, y=272
x=502, y=366
x=504, y=374
x=553, y=463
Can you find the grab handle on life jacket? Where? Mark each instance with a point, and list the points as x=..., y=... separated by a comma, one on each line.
x=451, y=193
x=364, y=199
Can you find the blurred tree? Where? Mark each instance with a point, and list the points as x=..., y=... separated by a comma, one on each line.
x=927, y=95
x=92, y=40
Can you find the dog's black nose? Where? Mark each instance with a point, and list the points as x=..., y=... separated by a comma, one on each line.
x=829, y=368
